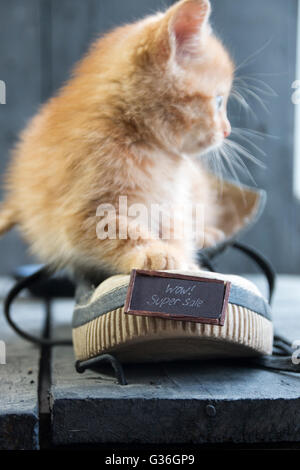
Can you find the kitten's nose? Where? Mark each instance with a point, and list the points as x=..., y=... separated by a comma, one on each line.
x=227, y=129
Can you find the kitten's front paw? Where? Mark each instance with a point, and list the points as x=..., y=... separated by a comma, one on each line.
x=156, y=256
x=212, y=236
x=159, y=257
x=193, y=267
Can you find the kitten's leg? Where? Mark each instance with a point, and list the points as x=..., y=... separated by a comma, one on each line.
x=146, y=252
x=140, y=250
x=154, y=255
x=212, y=236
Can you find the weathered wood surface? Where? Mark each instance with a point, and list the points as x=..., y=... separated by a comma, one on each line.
x=19, y=415
x=20, y=69
x=164, y=403
x=172, y=403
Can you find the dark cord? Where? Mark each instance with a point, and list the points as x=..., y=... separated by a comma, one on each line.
x=207, y=263
x=81, y=366
x=39, y=275
x=262, y=262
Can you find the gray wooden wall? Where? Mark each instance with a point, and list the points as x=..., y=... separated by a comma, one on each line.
x=41, y=39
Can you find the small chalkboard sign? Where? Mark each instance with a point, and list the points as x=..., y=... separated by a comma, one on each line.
x=177, y=297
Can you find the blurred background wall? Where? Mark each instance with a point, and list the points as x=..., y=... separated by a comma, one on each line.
x=40, y=40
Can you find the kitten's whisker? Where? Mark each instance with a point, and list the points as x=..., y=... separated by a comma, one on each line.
x=245, y=93
x=240, y=164
x=229, y=156
x=241, y=100
x=243, y=151
x=257, y=90
x=258, y=134
x=235, y=131
x=267, y=74
x=233, y=159
x=265, y=88
x=228, y=160
x=216, y=165
x=252, y=56
x=239, y=97
x=220, y=170
x=215, y=162
x=255, y=96
x=251, y=132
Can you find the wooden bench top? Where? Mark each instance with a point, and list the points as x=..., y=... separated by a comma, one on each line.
x=187, y=403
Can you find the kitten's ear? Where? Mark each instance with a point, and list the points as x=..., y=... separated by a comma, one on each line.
x=187, y=25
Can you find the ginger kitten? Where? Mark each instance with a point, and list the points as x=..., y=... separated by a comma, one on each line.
x=144, y=102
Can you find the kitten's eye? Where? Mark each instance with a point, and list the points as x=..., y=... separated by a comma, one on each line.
x=219, y=102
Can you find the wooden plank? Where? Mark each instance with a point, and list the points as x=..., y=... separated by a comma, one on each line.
x=20, y=68
x=178, y=402
x=19, y=416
